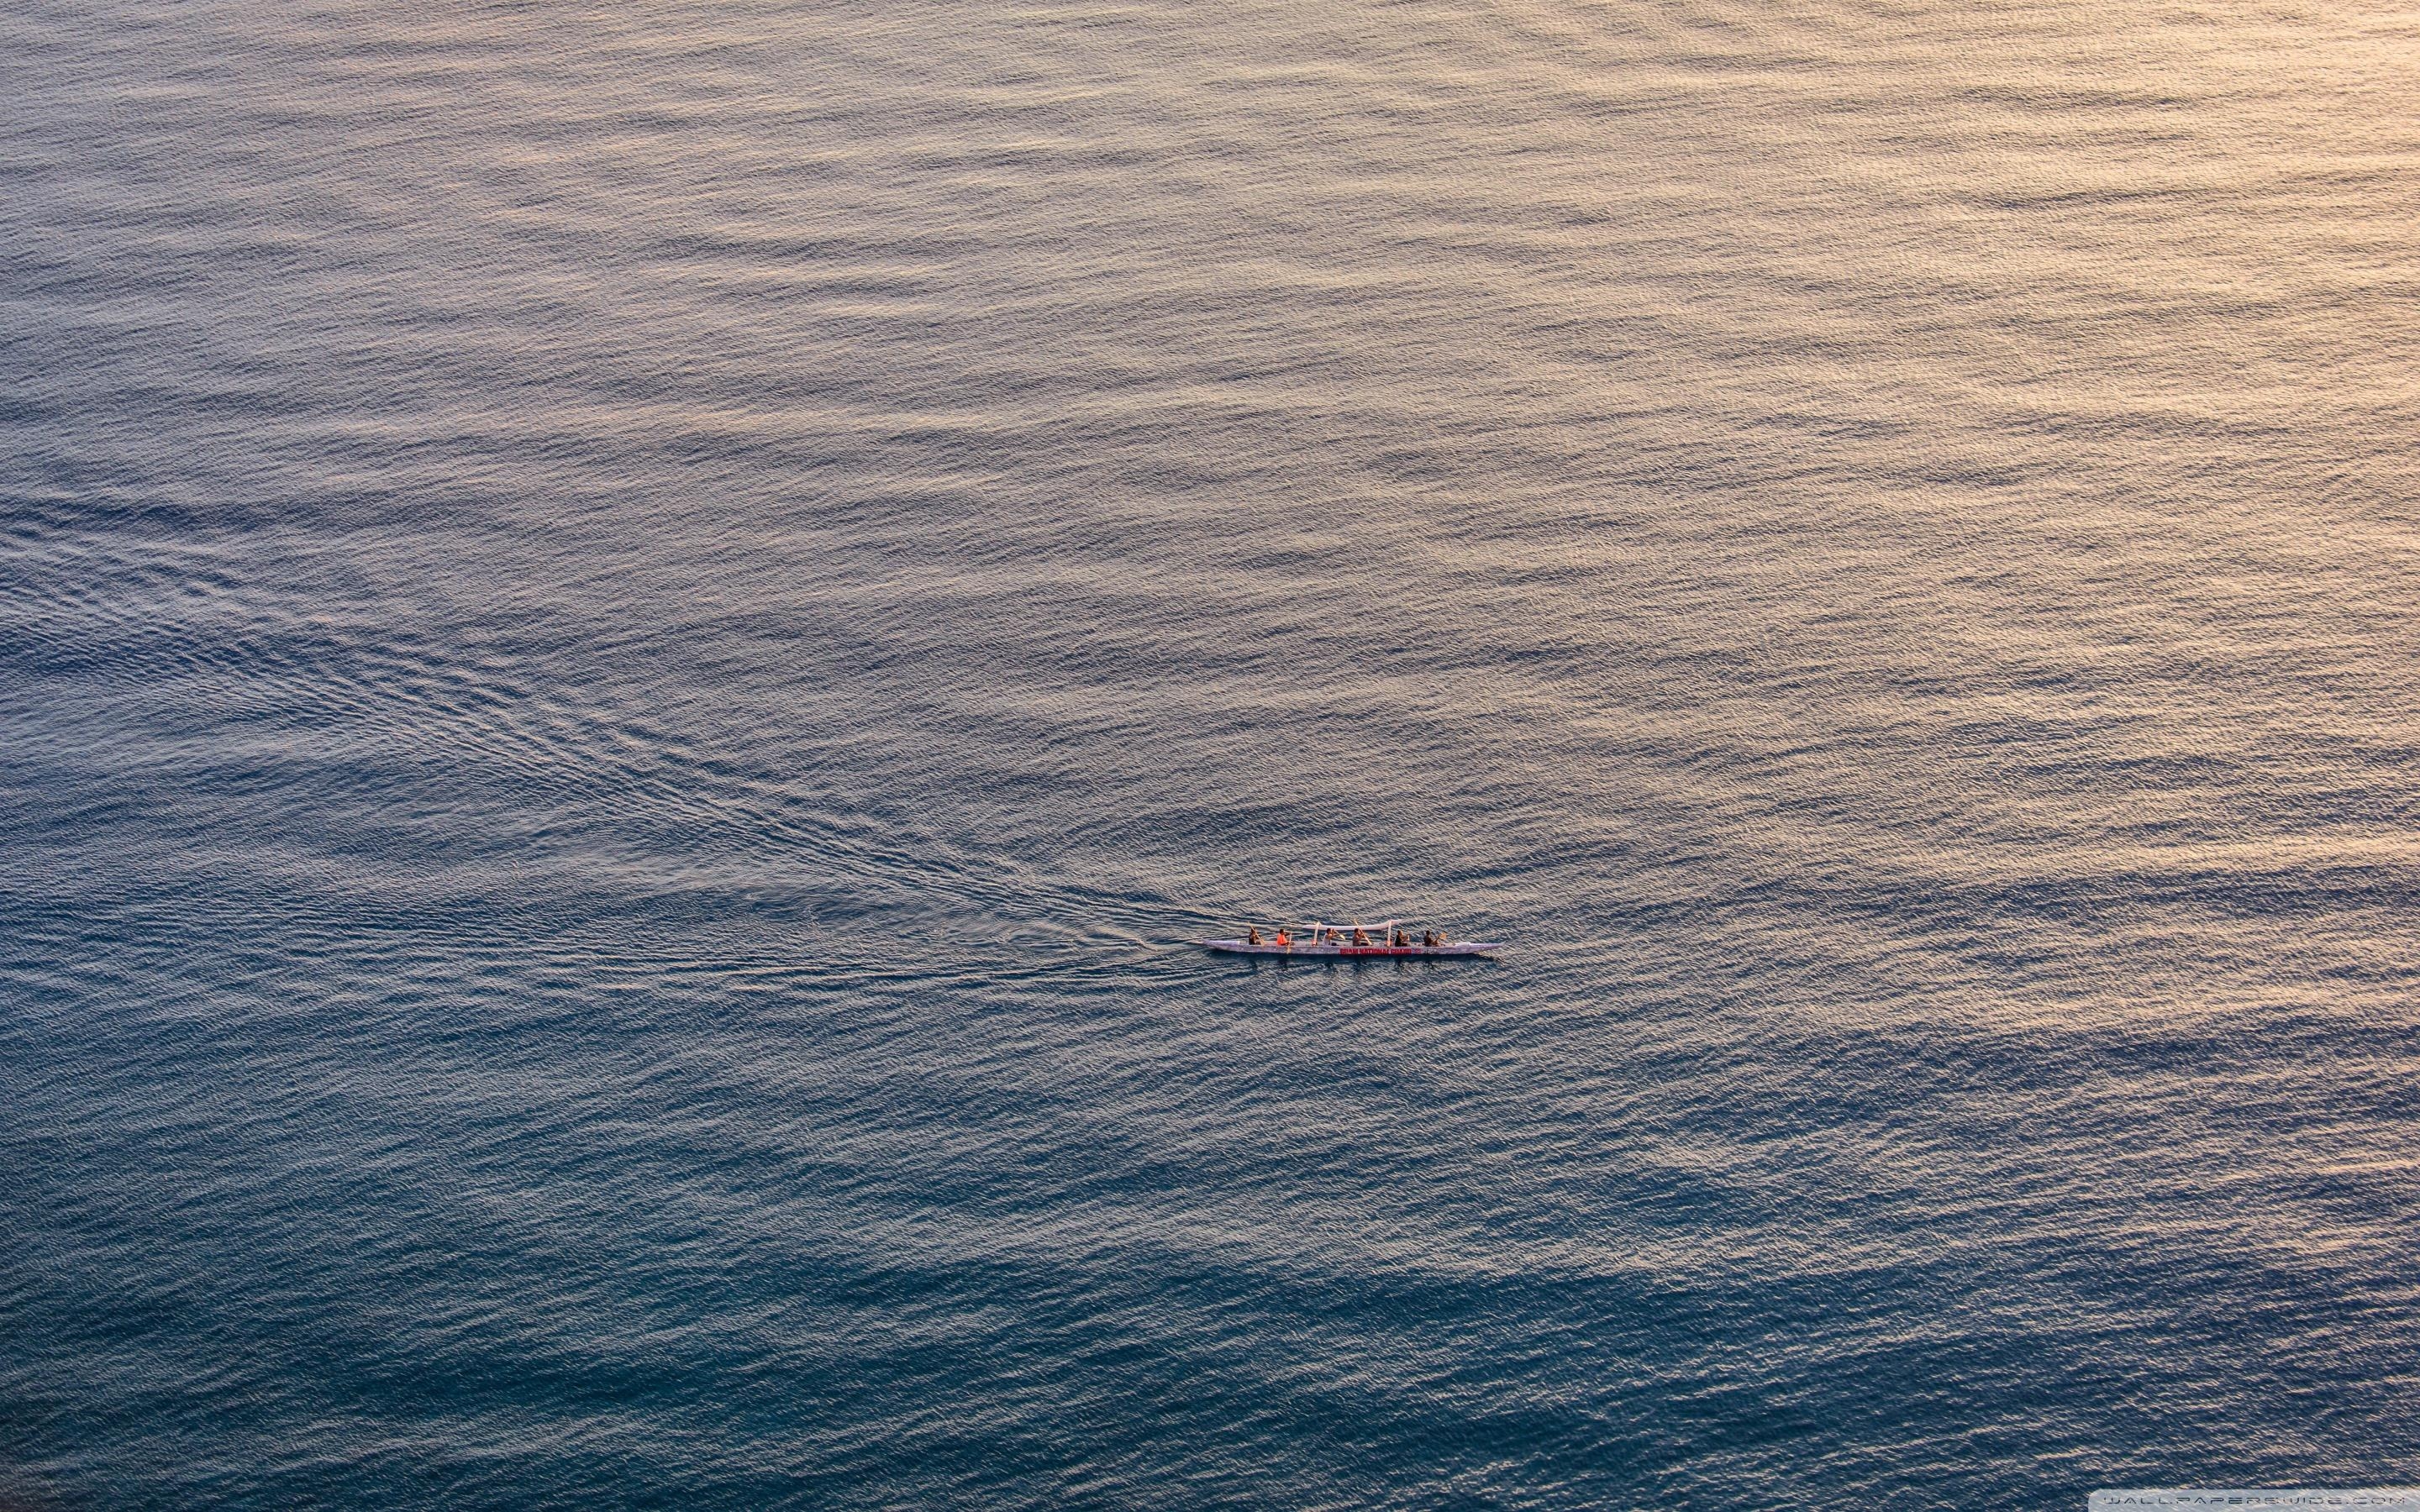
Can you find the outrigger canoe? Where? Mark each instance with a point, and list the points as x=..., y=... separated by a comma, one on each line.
x=1328, y=948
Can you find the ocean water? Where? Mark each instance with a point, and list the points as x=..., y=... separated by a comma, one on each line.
x=632, y=638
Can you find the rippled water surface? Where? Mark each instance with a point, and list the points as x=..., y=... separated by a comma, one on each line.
x=631, y=635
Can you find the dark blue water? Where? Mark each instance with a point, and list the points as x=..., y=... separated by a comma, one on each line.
x=632, y=637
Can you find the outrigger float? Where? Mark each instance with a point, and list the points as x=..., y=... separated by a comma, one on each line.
x=1353, y=942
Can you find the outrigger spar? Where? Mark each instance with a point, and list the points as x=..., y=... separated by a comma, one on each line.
x=1356, y=941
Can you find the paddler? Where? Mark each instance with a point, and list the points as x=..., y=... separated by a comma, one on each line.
x=1253, y=937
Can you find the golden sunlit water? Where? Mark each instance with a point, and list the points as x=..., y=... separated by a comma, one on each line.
x=632, y=637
